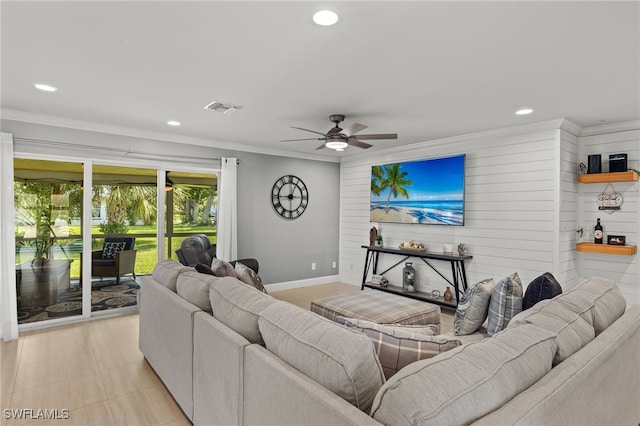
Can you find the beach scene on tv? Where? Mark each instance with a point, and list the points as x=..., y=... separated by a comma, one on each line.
x=427, y=192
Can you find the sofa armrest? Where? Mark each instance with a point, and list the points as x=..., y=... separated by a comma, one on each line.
x=218, y=358
x=599, y=384
x=166, y=339
x=276, y=393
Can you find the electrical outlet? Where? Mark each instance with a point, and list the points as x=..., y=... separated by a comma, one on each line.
x=313, y=266
x=333, y=264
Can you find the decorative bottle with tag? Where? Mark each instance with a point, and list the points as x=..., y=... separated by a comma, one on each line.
x=597, y=233
x=408, y=278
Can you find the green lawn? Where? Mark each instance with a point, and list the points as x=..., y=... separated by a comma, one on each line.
x=146, y=246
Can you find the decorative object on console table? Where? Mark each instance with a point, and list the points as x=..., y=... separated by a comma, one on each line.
x=373, y=235
x=408, y=278
x=461, y=249
x=597, y=233
x=448, y=296
x=379, y=240
x=447, y=249
x=616, y=240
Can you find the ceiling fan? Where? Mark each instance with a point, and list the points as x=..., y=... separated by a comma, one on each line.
x=338, y=139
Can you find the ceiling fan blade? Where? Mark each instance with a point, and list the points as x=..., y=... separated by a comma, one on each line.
x=357, y=143
x=307, y=130
x=355, y=128
x=377, y=136
x=320, y=147
x=307, y=139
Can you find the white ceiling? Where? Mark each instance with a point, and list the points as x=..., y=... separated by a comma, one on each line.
x=425, y=70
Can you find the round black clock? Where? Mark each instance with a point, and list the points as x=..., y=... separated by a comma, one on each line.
x=289, y=197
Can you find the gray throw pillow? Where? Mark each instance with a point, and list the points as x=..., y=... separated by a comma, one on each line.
x=473, y=308
x=221, y=268
x=506, y=302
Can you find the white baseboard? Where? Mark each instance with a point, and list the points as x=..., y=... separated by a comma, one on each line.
x=302, y=283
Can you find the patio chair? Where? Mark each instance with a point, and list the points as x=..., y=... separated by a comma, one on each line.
x=116, y=258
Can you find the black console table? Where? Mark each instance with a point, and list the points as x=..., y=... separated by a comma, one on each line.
x=458, y=281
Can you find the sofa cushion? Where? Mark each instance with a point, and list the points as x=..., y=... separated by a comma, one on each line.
x=340, y=359
x=572, y=329
x=194, y=288
x=543, y=287
x=398, y=346
x=110, y=248
x=203, y=269
x=473, y=308
x=167, y=271
x=238, y=306
x=249, y=276
x=221, y=268
x=600, y=300
x=506, y=302
x=468, y=382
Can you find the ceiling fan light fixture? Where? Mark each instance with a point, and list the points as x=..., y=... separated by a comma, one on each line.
x=337, y=145
x=325, y=18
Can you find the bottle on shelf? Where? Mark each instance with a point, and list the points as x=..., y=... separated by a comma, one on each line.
x=597, y=233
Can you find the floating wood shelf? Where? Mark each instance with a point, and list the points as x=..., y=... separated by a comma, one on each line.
x=626, y=250
x=629, y=176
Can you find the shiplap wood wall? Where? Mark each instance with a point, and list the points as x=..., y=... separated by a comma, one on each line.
x=623, y=269
x=523, y=206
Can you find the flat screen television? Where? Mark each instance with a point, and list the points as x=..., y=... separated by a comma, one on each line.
x=429, y=192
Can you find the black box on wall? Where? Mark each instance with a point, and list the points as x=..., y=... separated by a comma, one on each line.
x=618, y=162
x=594, y=163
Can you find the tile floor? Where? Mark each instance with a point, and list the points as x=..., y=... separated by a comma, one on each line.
x=93, y=369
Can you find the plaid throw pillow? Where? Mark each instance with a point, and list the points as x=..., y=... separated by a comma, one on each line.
x=506, y=302
x=399, y=345
x=109, y=249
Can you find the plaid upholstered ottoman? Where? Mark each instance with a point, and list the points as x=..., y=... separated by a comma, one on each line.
x=379, y=307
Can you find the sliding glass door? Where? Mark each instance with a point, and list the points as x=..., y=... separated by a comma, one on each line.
x=48, y=240
x=192, y=202
x=123, y=233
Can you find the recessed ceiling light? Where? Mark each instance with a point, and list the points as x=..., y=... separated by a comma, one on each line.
x=45, y=87
x=325, y=17
x=524, y=111
x=173, y=123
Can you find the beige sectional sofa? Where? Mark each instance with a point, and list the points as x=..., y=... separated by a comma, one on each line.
x=232, y=355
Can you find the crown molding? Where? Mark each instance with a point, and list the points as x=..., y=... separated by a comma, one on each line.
x=549, y=125
x=623, y=126
x=48, y=120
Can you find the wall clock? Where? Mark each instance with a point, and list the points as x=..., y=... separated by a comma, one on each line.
x=289, y=197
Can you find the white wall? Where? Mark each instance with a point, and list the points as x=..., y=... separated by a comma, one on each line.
x=520, y=199
x=605, y=140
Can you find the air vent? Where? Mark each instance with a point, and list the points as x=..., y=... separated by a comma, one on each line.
x=223, y=108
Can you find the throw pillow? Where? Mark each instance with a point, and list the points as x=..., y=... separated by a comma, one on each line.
x=506, y=302
x=473, y=308
x=203, y=269
x=543, y=287
x=398, y=346
x=249, y=276
x=109, y=249
x=221, y=268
